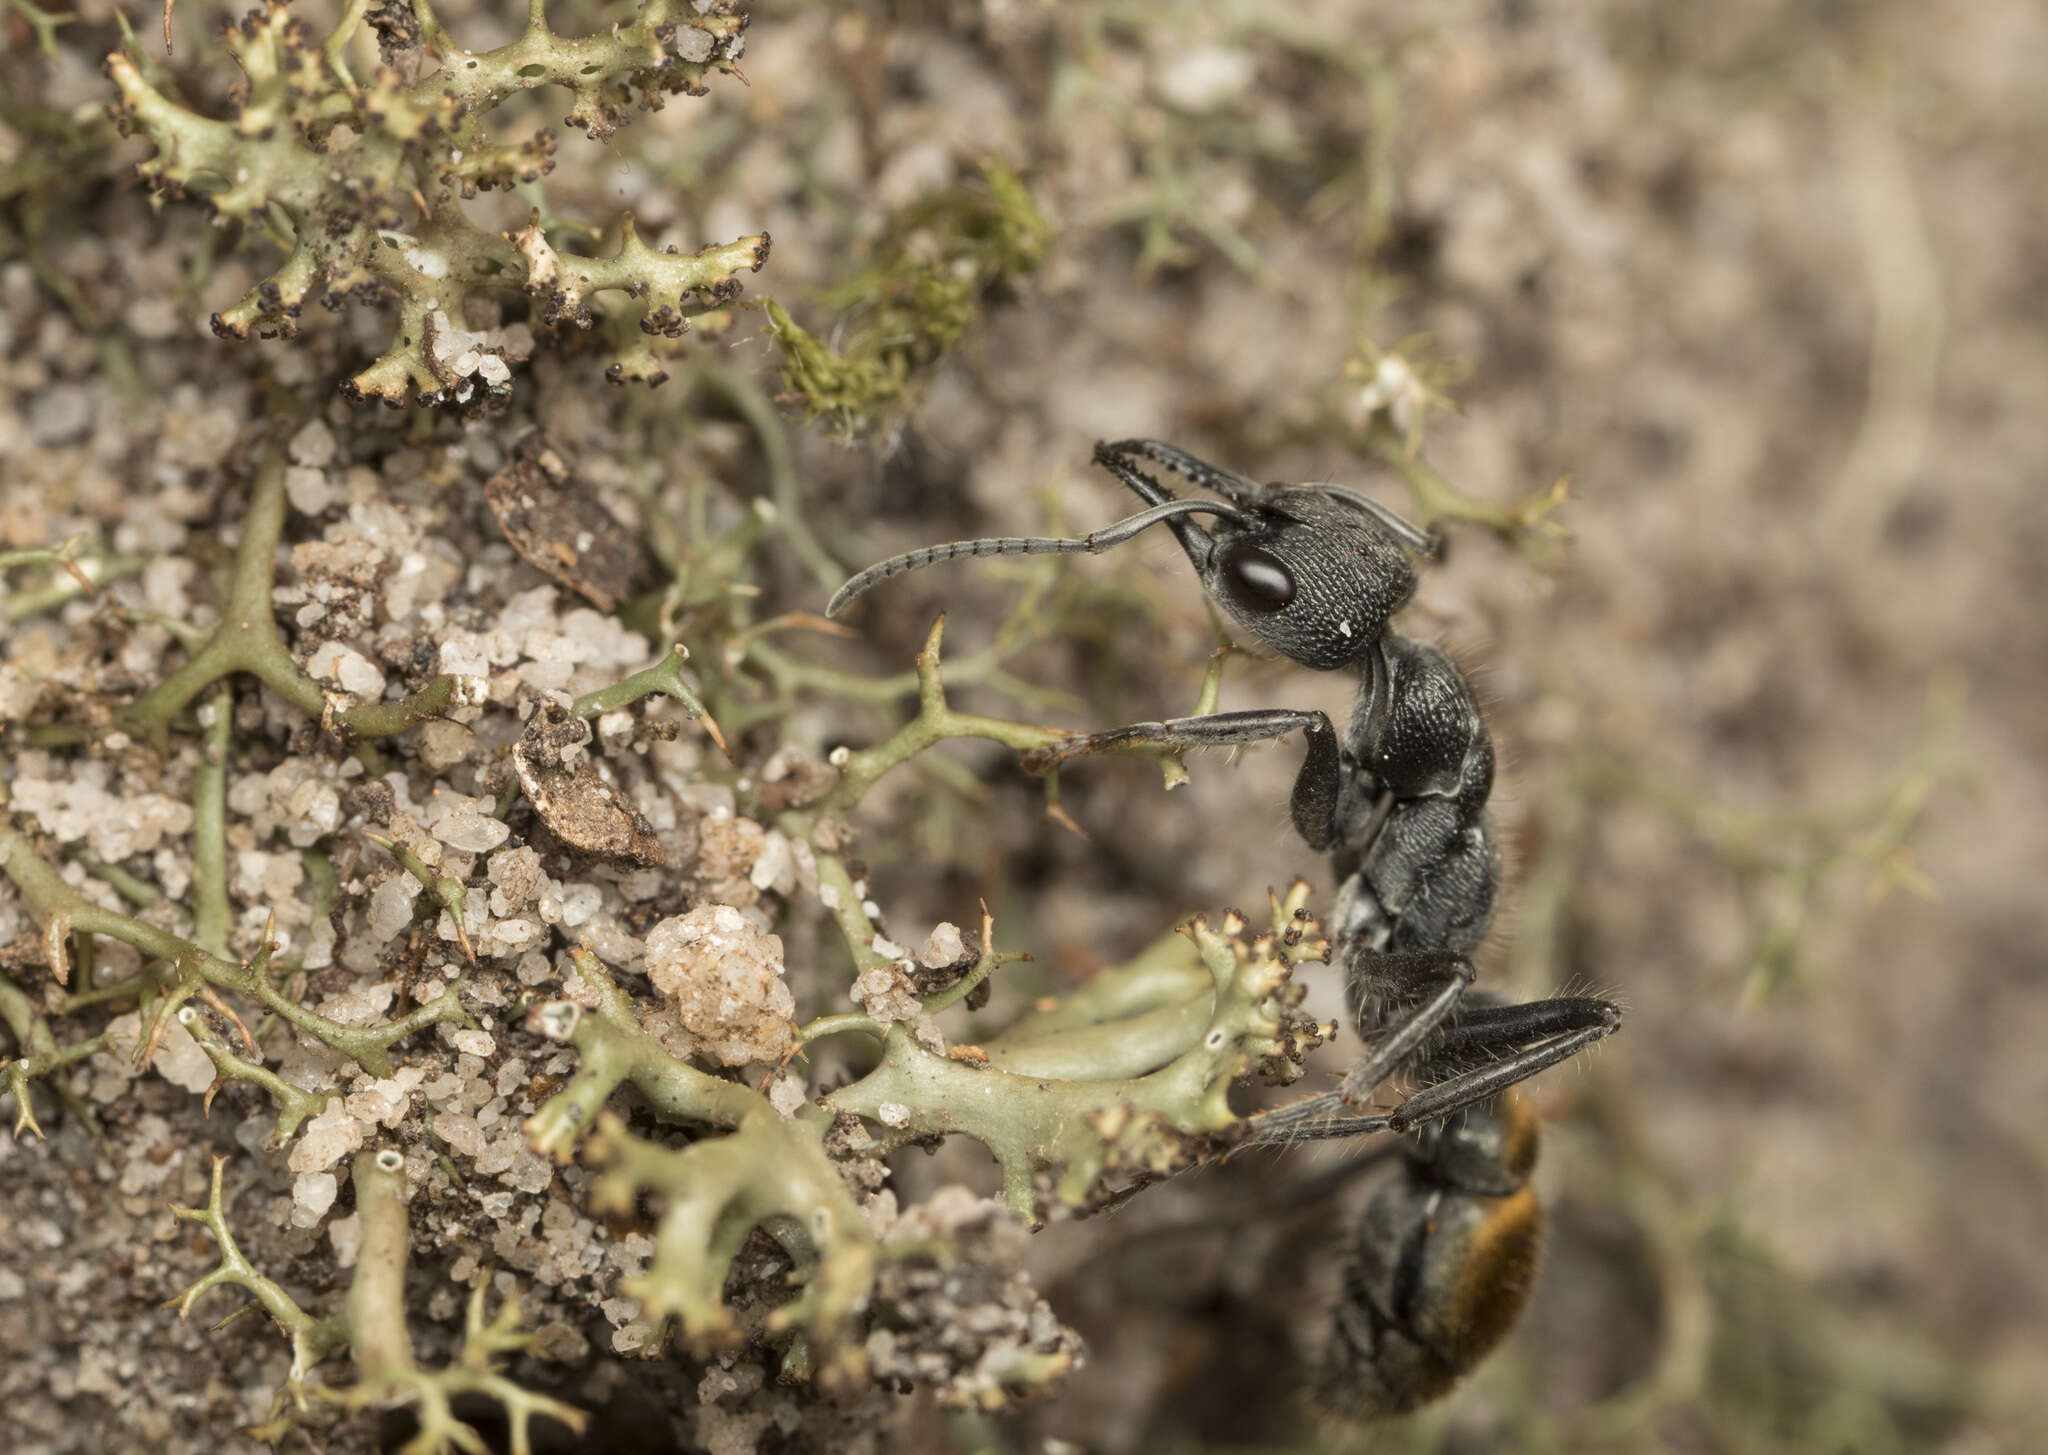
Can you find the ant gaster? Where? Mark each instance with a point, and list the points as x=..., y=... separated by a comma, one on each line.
x=1444, y=1256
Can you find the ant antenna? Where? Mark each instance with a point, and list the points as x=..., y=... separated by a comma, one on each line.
x=1092, y=544
x=1243, y=490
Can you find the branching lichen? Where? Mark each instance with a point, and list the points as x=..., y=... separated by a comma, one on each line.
x=294, y=1106
x=361, y=183
x=663, y=679
x=1089, y=1137
x=768, y=1169
x=39, y=1055
x=193, y=970
x=375, y=1317
x=713, y=1193
x=73, y=572
x=312, y=1339
x=246, y=639
x=45, y=23
x=372, y=1327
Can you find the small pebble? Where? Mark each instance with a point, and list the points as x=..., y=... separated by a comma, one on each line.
x=312, y=1194
x=943, y=947
x=313, y=444
x=460, y=1132
x=472, y=832
x=391, y=906
x=328, y=1138
x=60, y=415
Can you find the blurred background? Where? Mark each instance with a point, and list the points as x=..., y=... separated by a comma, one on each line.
x=1763, y=283
x=1714, y=339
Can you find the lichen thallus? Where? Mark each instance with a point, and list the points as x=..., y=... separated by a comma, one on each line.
x=1443, y=1258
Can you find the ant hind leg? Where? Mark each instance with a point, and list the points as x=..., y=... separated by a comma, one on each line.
x=1508, y=1043
x=1566, y=1026
x=1336, y=1113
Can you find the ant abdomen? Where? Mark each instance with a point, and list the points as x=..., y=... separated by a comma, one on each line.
x=1442, y=1263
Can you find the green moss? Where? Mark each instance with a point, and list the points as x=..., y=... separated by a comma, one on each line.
x=939, y=259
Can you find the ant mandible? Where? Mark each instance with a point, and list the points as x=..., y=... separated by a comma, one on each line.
x=1444, y=1256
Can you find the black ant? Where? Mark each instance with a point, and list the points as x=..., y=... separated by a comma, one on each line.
x=1443, y=1259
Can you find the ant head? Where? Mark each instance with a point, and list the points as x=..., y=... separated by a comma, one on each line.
x=1312, y=571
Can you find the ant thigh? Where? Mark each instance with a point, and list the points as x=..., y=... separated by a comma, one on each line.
x=1486, y=1032
x=1318, y=784
x=1213, y=730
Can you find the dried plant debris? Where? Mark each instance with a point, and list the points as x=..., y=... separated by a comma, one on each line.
x=559, y=528
x=580, y=806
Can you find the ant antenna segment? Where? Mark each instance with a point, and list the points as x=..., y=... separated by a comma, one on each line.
x=1092, y=544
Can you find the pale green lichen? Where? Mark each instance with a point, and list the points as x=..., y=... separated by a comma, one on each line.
x=247, y=639
x=768, y=1169
x=361, y=183
x=1119, y=1102
x=371, y=1324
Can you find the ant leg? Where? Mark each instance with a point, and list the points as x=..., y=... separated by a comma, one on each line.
x=1396, y=1043
x=1484, y=1028
x=1317, y=787
x=1216, y=730
x=1335, y=1113
x=1330, y=1115
x=1524, y=1039
x=1328, y=1123
x=1593, y=1021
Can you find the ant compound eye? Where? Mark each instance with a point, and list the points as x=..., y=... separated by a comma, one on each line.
x=1255, y=579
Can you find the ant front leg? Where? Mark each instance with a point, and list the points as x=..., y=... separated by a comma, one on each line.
x=1317, y=787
